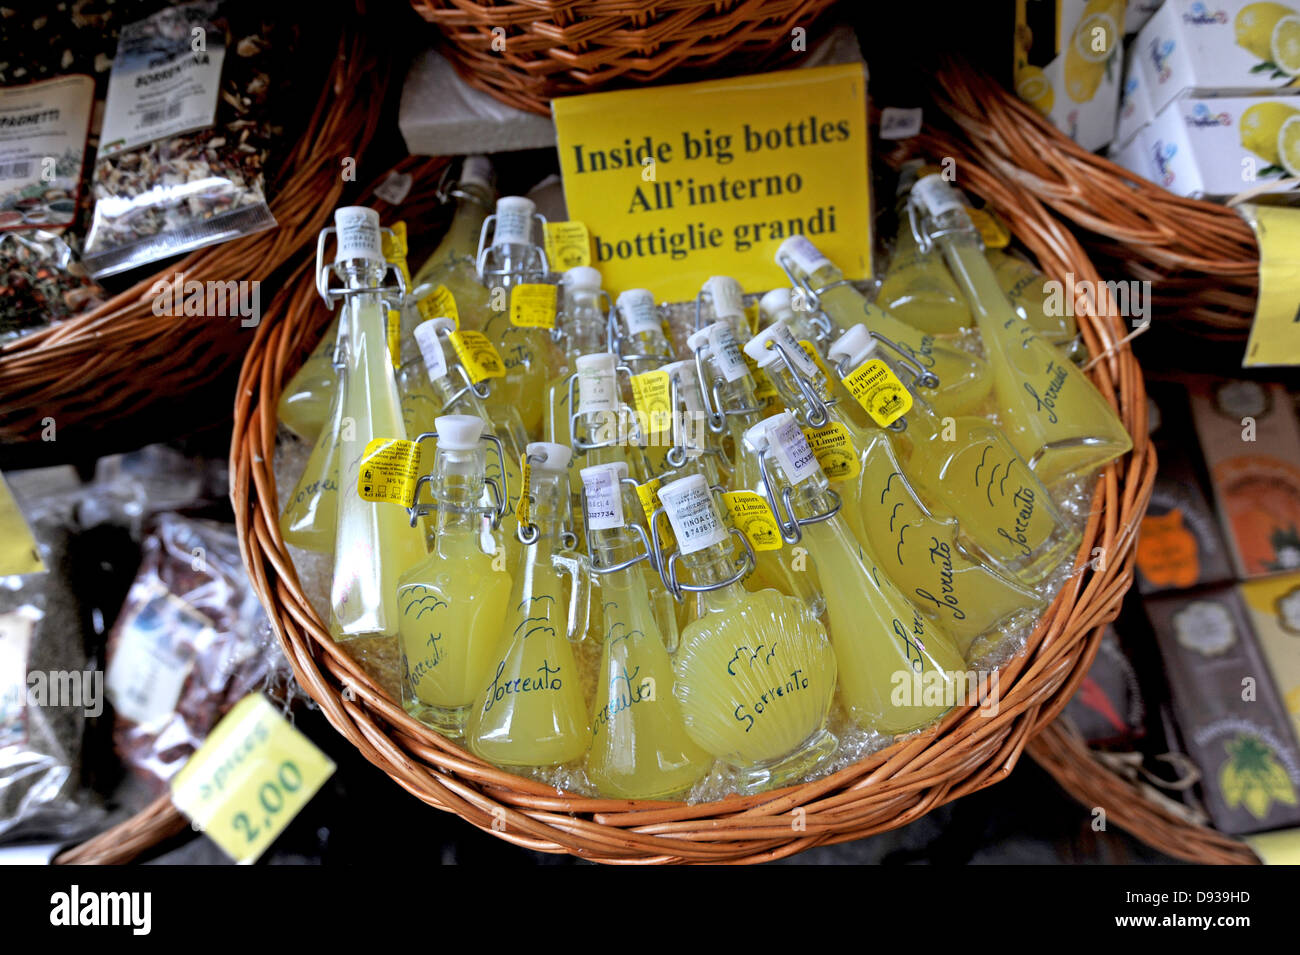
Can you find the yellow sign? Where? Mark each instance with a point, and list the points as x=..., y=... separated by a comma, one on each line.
x=390, y=468
x=18, y=551
x=532, y=306
x=248, y=780
x=678, y=183
x=1275, y=333
x=439, y=303
x=749, y=514
x=878, y=390
x=477, y=354
x=568, y=245
x=834, y=450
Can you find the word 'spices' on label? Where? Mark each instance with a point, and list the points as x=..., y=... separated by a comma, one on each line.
x=389, y=470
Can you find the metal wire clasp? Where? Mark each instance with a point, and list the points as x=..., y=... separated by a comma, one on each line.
x=817, y=413
x=668, y=569
x=791, y=527
x=480, y=257
x=500, y=492
x=649, y=554
x=323, y=271
x=714, y=407
x=624, y=413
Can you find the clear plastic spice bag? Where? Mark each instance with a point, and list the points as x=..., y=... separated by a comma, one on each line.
x=41, y=281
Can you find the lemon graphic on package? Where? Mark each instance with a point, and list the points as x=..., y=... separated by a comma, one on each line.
x=1032, y=87
x=1285, y=45
x=1261, y=132
x=1288, y=145
x=1254, y=27
x=1095, y=40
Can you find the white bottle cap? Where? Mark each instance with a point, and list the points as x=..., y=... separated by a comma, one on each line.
x=778, y=333
x=776, y=304
x=604, y=495
x=756, y=436
x=855, y=346
x=476, y=171
x=723, y=349
x=458, y=432
x=688, y=384
x=936, y=195
x=639, y=311
x=698, y=338
x=806, y=256
x=583, y=276
x=688, y=503
x=514, y=221
x=551, y=457
x=426, y=337
x=728, y=297
x=357, y=231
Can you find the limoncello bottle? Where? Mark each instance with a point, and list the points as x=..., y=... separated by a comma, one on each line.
x=602, y=427
x=694, y=447
x=474, y=197
x=304, y=404
x=532, y=711
x=919, y=290
x=639, y=746
x=755, y=672
x=638, y=332
x=883, y=644
x=721, y=299
x=805, y=323
x=511, y=263
x=1025, y=288
x=452, y=602
x=963, y=380
x=1055, y=417
x=962, y=466
x=374, y=542
x=310, y=515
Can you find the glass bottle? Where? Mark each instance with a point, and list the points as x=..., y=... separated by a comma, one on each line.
x=310, y=516
x=453, y=602
x=637, y=332
x=1055, y=417
x=805, y=323
x=1025, y=288
x=374, y=543
x=963, y=380
x=721, y=299
x=532, y=712
x=602, y=428
x=639, y=746
x=475, y=198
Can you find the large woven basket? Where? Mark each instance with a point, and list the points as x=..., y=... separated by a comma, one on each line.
x=964, y=753
x=1201, y=257
x=525, y=53
x=99, y=370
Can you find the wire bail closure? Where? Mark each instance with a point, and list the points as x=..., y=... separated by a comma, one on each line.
x=817, y=411
x=579, y=442
x=668, y=569
x=714, y=407
x=500, y=492
x=647, y=555
x=480, y=257
x=323, y=271
x=791, y=527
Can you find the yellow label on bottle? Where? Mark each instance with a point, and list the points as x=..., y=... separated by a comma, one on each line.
x=439, y=303
x=652, y=394
x=648, y=495
x=1275, y=333
x=532, y=306
x=249, y=779
x=524, y=507
x=568, y=245
x=994, y=234
x=815, y=358
x=477, y=354
x=878, y=390
x=394, y=248
x=834, y=450
x=394, y=329
x=748, y=513
x=388, y=472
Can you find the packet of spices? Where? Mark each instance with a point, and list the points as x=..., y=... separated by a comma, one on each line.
x=41, y=281
x=43, y=129
x=184, y=139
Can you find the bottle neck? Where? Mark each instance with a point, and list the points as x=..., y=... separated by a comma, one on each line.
x=550, y=508
x=461, y=240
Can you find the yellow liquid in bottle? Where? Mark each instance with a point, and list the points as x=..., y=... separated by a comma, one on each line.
x=305, y=402
x=918, y=289
x=1054, y=416
x=1023, y=286
x=532, y=712
x=310, y=517
x=525, y=353
x=639, y=746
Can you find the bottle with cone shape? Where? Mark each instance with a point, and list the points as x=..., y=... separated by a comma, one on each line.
x=532, y=711
x=475, y=199
x=304, y=405
x=453, y=602
x=512, y=259
x=310, y=517
x=1055, y=417
x=964, y=381
x=639, y=746
x=882, y=642
x=1024, y=287
x=373, y=541
x=755, y=672
x=962, y=466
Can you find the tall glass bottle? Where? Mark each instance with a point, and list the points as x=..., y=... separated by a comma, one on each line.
x=453, y=602
x=532, y=712
x=755, y=672
x=1055, y=417
x=310, y=514
x=964, y=381
x=884, y=646
x=475, y=198
x=639, y=746
x=374, y=542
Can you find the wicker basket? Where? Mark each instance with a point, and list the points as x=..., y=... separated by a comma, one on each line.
x=100, y=369
x=525, y=53
x=1062, y=751
x=1201, y=257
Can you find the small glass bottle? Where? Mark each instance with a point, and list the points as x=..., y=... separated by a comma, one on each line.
x=755, y=672
x=453, y=602
x=637, y=328
x=721, y=299
x=639, y=746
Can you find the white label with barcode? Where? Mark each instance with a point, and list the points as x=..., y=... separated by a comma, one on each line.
x=726, y=352
x=42, y=146
x=792, y=451
x=604, y=500
x=426, y=336
x=806, y=256
x=690, y=509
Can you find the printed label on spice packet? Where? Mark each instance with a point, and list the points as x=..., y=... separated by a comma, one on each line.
x=15, y=638
x=249, y=779
x=166, y=77
x=878, y=390
x=833, y=448
x=42, y=147
x=749, y=514
x=150, y=660
x=390, y=468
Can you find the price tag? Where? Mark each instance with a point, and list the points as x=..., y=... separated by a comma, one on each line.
x=532, y=306
x=652, y=394
x=439, y=303
x=394, y=246
x=249, y=779
x=568, y=245
x=389, y=469
x=524, y=506
x=748, y=513
x=477, y=354
x=993, y=233
x=394, y=329
x=875, y=386
x=834, y=450
x=648, y=495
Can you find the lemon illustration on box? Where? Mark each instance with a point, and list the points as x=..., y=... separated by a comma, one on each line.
x=1094, y=42
x=1269, y=130
x=1271, y=31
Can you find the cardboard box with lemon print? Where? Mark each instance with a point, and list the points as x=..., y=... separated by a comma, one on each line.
x=1274, y=605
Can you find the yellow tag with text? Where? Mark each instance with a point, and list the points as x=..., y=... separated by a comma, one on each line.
x=18, y=551
x=532, y=306
x=394, y=330
x=648, y=495
x=811, y=351
x=568, y=245
x=875, y=386
x=1275, y=332
x=652, y=394
x=477, y=354
x=994, y=234
x=679, y=183
x=248, y=780
x=394, y=248
x=439, y=303
x=834, y=450
x=748, y=513
x=389, y=470
x=524, y=507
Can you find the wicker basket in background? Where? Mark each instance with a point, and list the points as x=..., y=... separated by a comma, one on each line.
x=524, y=53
